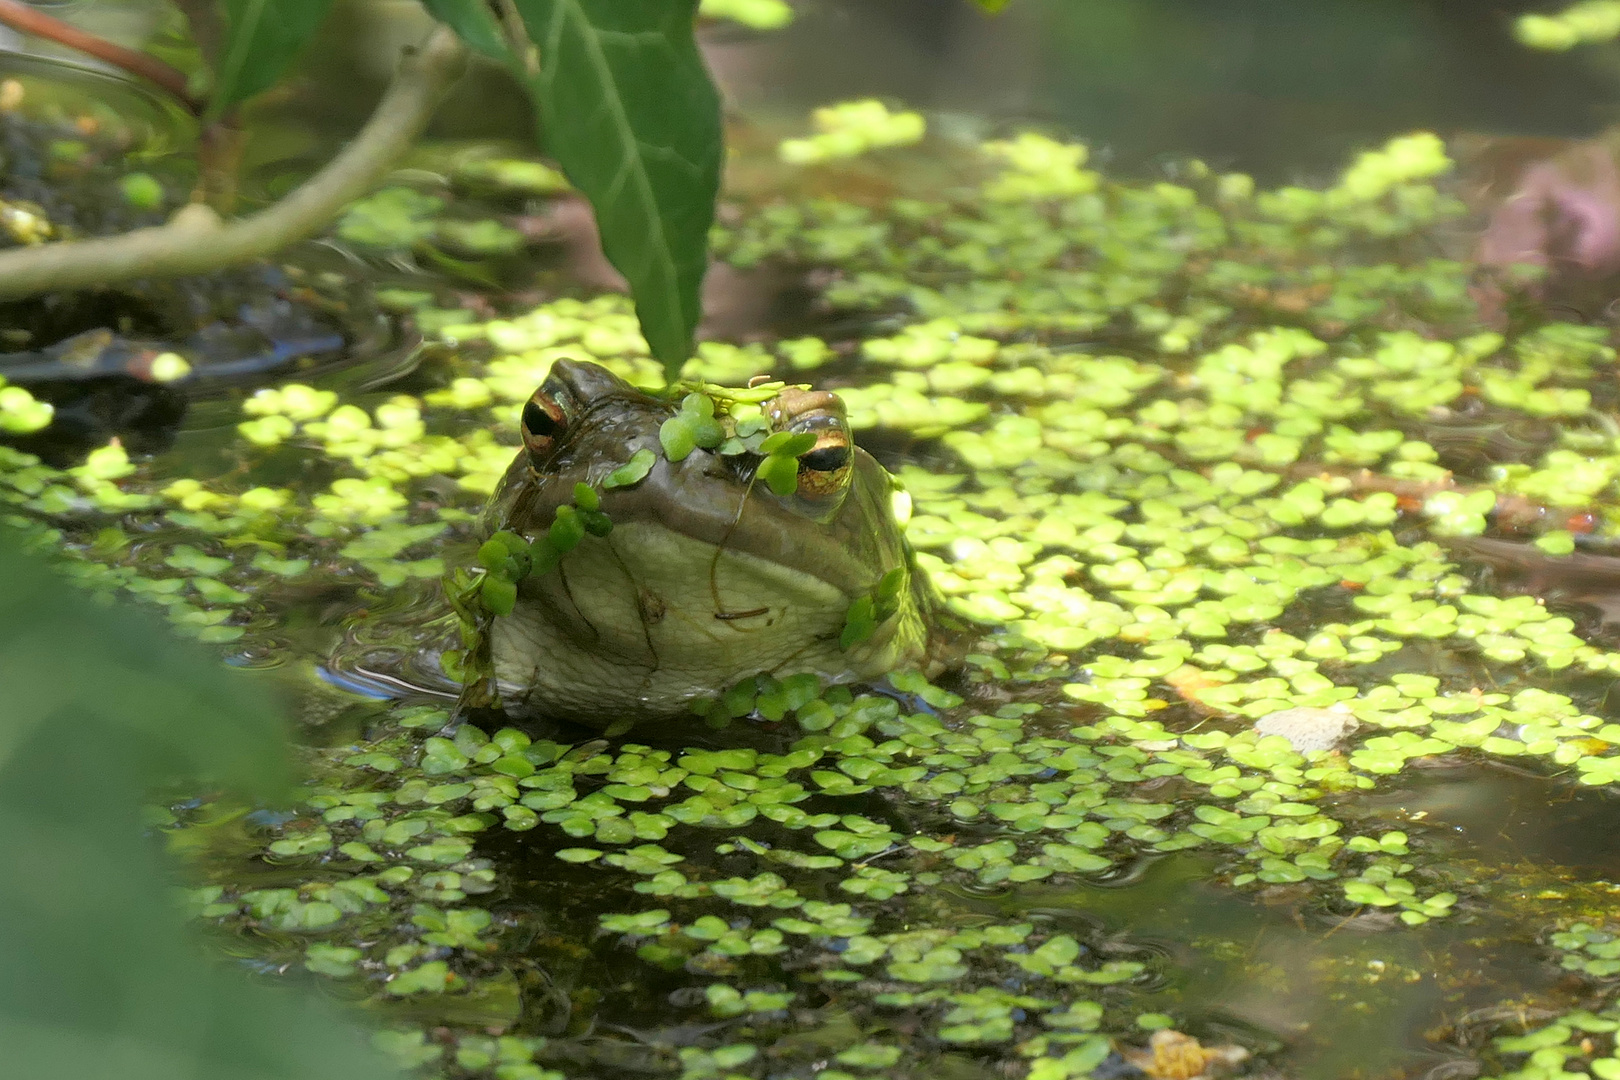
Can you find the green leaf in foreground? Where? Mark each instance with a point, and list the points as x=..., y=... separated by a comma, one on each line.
x=98, y=974
x=627, y=109
x=474, y=22
x=261, y=38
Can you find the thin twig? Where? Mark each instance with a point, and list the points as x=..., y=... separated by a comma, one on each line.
x=197, y=241
x=21, y=17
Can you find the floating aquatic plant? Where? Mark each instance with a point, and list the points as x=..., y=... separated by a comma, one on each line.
x=1182, y=477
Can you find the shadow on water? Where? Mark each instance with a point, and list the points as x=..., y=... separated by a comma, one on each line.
x=1320, y=993
x=1358, y=995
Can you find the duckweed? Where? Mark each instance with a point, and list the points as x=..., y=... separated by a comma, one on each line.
x=1186, y=474
x=850, y=129
x=1587, y=21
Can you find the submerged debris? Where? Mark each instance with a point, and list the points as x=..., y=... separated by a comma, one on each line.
x=1170, y=1055
x=1309, y=730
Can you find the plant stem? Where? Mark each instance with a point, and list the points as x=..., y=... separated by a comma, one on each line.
x=219, y=160
x=197, y=241
x=21, y=17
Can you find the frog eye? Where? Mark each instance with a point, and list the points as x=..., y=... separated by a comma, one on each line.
x=824, y=469
x=543, y=423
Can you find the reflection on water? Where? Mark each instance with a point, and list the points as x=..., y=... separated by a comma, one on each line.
x=1363, y=996
x=1506, y=817
x=1322, y=995
x=1275, y=88
x=1280, y=89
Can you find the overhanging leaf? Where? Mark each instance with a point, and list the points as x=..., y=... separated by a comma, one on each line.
x=992, y=6
x=473, y=21
x=261, y=38
x=628, y=110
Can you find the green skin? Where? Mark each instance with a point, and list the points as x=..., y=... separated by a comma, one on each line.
x=705, y=578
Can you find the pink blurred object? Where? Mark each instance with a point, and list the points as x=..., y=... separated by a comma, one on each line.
x=1562, y=217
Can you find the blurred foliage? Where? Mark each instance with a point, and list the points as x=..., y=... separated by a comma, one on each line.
x=624, y=101
x=1584, y=23
x=97, y=975
x=263, y=37
x=754, y=14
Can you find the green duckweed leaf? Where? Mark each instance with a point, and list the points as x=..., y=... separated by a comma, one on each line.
x=579, y=855
x=498, y=595
x=859, y=622
x=780, y=473
x=788, y=443
x=567, y=530
x=631, y=472
x=677, y=437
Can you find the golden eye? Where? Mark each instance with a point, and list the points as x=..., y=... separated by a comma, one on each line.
x=824, y=469
x=543, y=424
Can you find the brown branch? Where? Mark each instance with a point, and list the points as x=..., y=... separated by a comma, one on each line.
x=21, y=17
x=197, y=241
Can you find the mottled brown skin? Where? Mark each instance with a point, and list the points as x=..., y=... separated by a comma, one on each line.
x=706, y=577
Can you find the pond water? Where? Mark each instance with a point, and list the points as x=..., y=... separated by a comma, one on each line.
x=1179, y=450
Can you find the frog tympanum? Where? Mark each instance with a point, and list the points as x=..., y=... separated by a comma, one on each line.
x=706, y=575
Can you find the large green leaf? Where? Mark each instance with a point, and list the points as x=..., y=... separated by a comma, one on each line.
x=473, y=21
x=99, y=977
x=261, y=38
x=628, y=110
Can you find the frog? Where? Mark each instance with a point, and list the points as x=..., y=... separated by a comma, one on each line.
x=700, y=574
